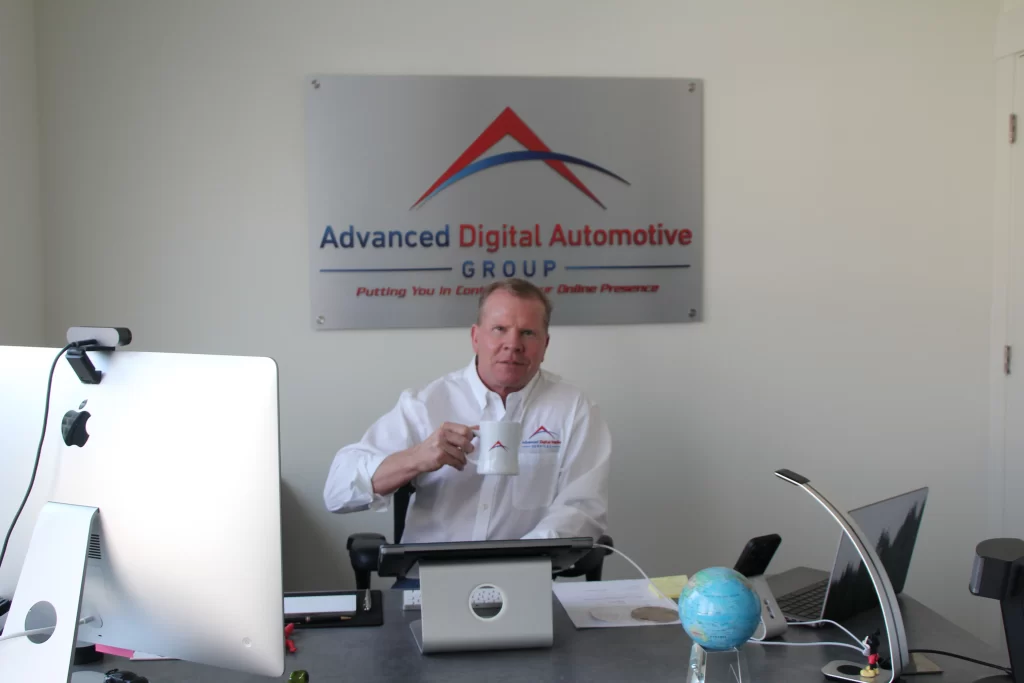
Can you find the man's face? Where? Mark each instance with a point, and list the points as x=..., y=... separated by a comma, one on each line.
x=509, y=341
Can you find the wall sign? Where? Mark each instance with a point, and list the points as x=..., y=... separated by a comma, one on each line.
x=424, y=189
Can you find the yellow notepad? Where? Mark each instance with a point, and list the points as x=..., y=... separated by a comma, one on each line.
x=671, y=586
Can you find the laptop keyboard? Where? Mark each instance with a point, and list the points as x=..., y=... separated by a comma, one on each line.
x=806, y=603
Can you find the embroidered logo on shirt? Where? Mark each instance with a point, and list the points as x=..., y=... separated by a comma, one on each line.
x=497, y=444
x=542, y=438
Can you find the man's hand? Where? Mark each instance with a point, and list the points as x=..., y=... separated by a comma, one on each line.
x=449, y=445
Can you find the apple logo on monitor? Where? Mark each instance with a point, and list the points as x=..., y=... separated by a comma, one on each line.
x=72, y=427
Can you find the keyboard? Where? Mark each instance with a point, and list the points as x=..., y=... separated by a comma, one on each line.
x=805, y=604
x=482, y=597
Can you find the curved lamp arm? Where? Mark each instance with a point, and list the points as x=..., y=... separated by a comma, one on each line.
x=894, y=630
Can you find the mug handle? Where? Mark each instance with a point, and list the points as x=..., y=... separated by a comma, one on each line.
x=469, y=458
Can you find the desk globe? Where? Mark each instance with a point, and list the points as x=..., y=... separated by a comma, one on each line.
x=720, y=611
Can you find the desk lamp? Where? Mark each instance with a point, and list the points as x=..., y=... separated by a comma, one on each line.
x=901, y=661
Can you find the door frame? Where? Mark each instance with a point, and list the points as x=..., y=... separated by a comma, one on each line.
x=1009, y=58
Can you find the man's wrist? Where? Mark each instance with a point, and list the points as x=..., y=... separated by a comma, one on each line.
x=410, y=463
x=396, y=470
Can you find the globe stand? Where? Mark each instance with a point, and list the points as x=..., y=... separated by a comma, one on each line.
x=718, y=666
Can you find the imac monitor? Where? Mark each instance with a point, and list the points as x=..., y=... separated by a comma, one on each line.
x=181, y=457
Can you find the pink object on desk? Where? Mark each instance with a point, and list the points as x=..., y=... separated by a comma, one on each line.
x=117, y=651
x=128, y=654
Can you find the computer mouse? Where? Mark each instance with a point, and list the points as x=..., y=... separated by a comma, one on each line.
x=118, y=676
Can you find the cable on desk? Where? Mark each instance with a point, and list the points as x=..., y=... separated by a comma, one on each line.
x=827, y=621
x=39, y=631
x=626, y=557
x=30, y=632
x=814, y=644
x=1000, y=667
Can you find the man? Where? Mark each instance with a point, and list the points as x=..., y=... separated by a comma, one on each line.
x=561, y=489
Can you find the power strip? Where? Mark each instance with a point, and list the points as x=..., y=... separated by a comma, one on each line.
x=482, y=597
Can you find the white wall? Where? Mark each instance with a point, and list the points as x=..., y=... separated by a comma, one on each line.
x=21, y=240
x=848, y=264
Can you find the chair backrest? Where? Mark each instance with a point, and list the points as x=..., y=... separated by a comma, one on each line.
x=400, y=501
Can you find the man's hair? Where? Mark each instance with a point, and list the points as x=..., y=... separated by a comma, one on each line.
x=518, y=288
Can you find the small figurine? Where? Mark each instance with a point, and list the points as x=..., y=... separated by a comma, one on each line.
x=288, y=642
x=871, y=647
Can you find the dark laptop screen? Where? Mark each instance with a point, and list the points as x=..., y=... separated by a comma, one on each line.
x=892, y=526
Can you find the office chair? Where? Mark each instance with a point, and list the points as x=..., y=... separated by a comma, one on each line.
x=364, y=548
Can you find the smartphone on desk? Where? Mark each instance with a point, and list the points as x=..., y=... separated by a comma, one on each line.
x=757, y=554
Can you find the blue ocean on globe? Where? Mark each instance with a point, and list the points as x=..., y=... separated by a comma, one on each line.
x=719, y=609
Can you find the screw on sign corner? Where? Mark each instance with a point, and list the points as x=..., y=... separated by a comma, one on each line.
x=320, y=320
x=316, y=85
x=692, y=87
x=693, y=312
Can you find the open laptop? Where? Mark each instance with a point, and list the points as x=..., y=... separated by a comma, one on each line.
x=892, y=526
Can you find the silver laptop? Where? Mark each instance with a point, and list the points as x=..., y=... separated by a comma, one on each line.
x=891, y=525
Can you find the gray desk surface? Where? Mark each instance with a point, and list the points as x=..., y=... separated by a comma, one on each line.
x=655, y=653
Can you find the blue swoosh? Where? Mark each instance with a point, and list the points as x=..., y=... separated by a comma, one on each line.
x=511, y=157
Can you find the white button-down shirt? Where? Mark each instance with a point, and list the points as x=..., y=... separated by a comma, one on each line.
x=561, y=489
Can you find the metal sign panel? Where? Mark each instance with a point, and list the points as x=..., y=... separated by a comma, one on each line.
x=424, y=189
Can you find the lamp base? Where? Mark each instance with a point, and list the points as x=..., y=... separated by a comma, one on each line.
x=844, y=670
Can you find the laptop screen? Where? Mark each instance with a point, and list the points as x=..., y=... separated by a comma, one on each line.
x=891, y=526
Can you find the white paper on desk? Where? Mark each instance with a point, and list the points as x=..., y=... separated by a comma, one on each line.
x=142, y=656
x=581, y=599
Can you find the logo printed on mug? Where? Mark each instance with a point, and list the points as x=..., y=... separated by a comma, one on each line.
x=503, y=456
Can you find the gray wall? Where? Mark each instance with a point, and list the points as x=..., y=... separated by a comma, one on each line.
x=21, y=240
x=848, y=273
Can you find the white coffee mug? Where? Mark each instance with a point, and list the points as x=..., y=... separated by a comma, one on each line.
x=497, y=450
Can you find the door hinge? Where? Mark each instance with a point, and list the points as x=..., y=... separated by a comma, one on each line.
x=1013, y=128
x=1007, y=358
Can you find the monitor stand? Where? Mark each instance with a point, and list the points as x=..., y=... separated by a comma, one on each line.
x=449, y=624
x=49, y=592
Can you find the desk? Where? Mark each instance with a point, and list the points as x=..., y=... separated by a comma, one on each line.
x=655, y=653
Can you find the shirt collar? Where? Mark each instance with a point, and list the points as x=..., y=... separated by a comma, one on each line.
x=480, y=390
